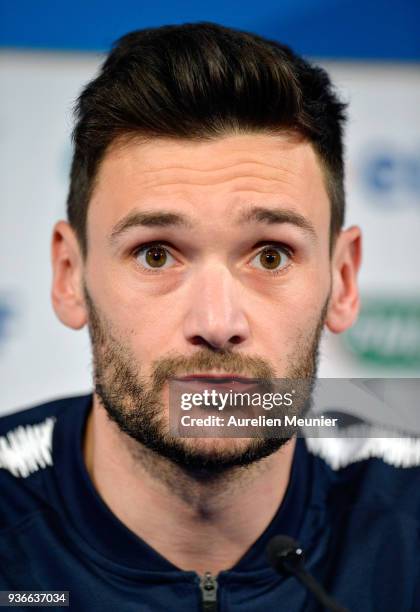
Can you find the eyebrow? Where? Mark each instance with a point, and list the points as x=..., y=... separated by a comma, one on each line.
x=254, y=214
x=148, y=219
x=271, y=216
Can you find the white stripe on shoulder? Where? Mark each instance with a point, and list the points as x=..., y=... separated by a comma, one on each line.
x=340, y=452
x=25, y=449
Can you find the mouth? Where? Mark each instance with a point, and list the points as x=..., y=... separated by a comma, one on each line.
x=216, y=378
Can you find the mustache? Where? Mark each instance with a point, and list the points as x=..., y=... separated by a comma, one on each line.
x=205, y=360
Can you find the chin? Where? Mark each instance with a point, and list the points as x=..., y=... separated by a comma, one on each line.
x=217, y=446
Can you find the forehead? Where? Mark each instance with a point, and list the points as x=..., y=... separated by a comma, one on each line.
x=209, y=179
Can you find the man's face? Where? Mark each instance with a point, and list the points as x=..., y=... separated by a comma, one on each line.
x=204, y=257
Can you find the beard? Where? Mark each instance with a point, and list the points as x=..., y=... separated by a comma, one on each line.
x=136, y=405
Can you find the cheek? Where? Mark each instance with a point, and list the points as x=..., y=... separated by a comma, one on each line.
x=143, y=326
x=150, y=329
x=290, y=317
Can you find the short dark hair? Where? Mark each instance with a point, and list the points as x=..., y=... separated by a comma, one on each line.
x=202, y=81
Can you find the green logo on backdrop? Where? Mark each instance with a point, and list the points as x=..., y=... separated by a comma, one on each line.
x=387, y=332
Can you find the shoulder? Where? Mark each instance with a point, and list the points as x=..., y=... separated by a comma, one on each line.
x=366, y=517
x=382, y=473
x=26, y=457
x=26, y=436
x=34, y=414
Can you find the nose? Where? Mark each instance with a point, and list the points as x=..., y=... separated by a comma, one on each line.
x=215, y=317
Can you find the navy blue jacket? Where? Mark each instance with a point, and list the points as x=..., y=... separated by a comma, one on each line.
x=358, y=525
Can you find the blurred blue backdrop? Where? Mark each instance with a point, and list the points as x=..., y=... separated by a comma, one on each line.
x=334, y=29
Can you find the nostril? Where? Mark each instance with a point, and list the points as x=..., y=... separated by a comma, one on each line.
x=236, y=340
x=200, y=341
x=197, y=340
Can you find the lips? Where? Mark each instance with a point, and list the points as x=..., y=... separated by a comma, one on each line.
x=220, y=382
x=216, y=379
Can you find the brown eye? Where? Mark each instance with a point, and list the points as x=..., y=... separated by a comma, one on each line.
x=272, y=258
x=155, y=256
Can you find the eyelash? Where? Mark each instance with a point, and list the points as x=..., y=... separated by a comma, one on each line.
x=144, y=247
x=278, y=245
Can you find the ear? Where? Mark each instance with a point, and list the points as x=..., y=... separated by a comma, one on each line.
x=67, y=287
x=344, y=302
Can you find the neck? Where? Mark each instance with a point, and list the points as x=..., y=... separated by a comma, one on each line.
x=199, y=526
